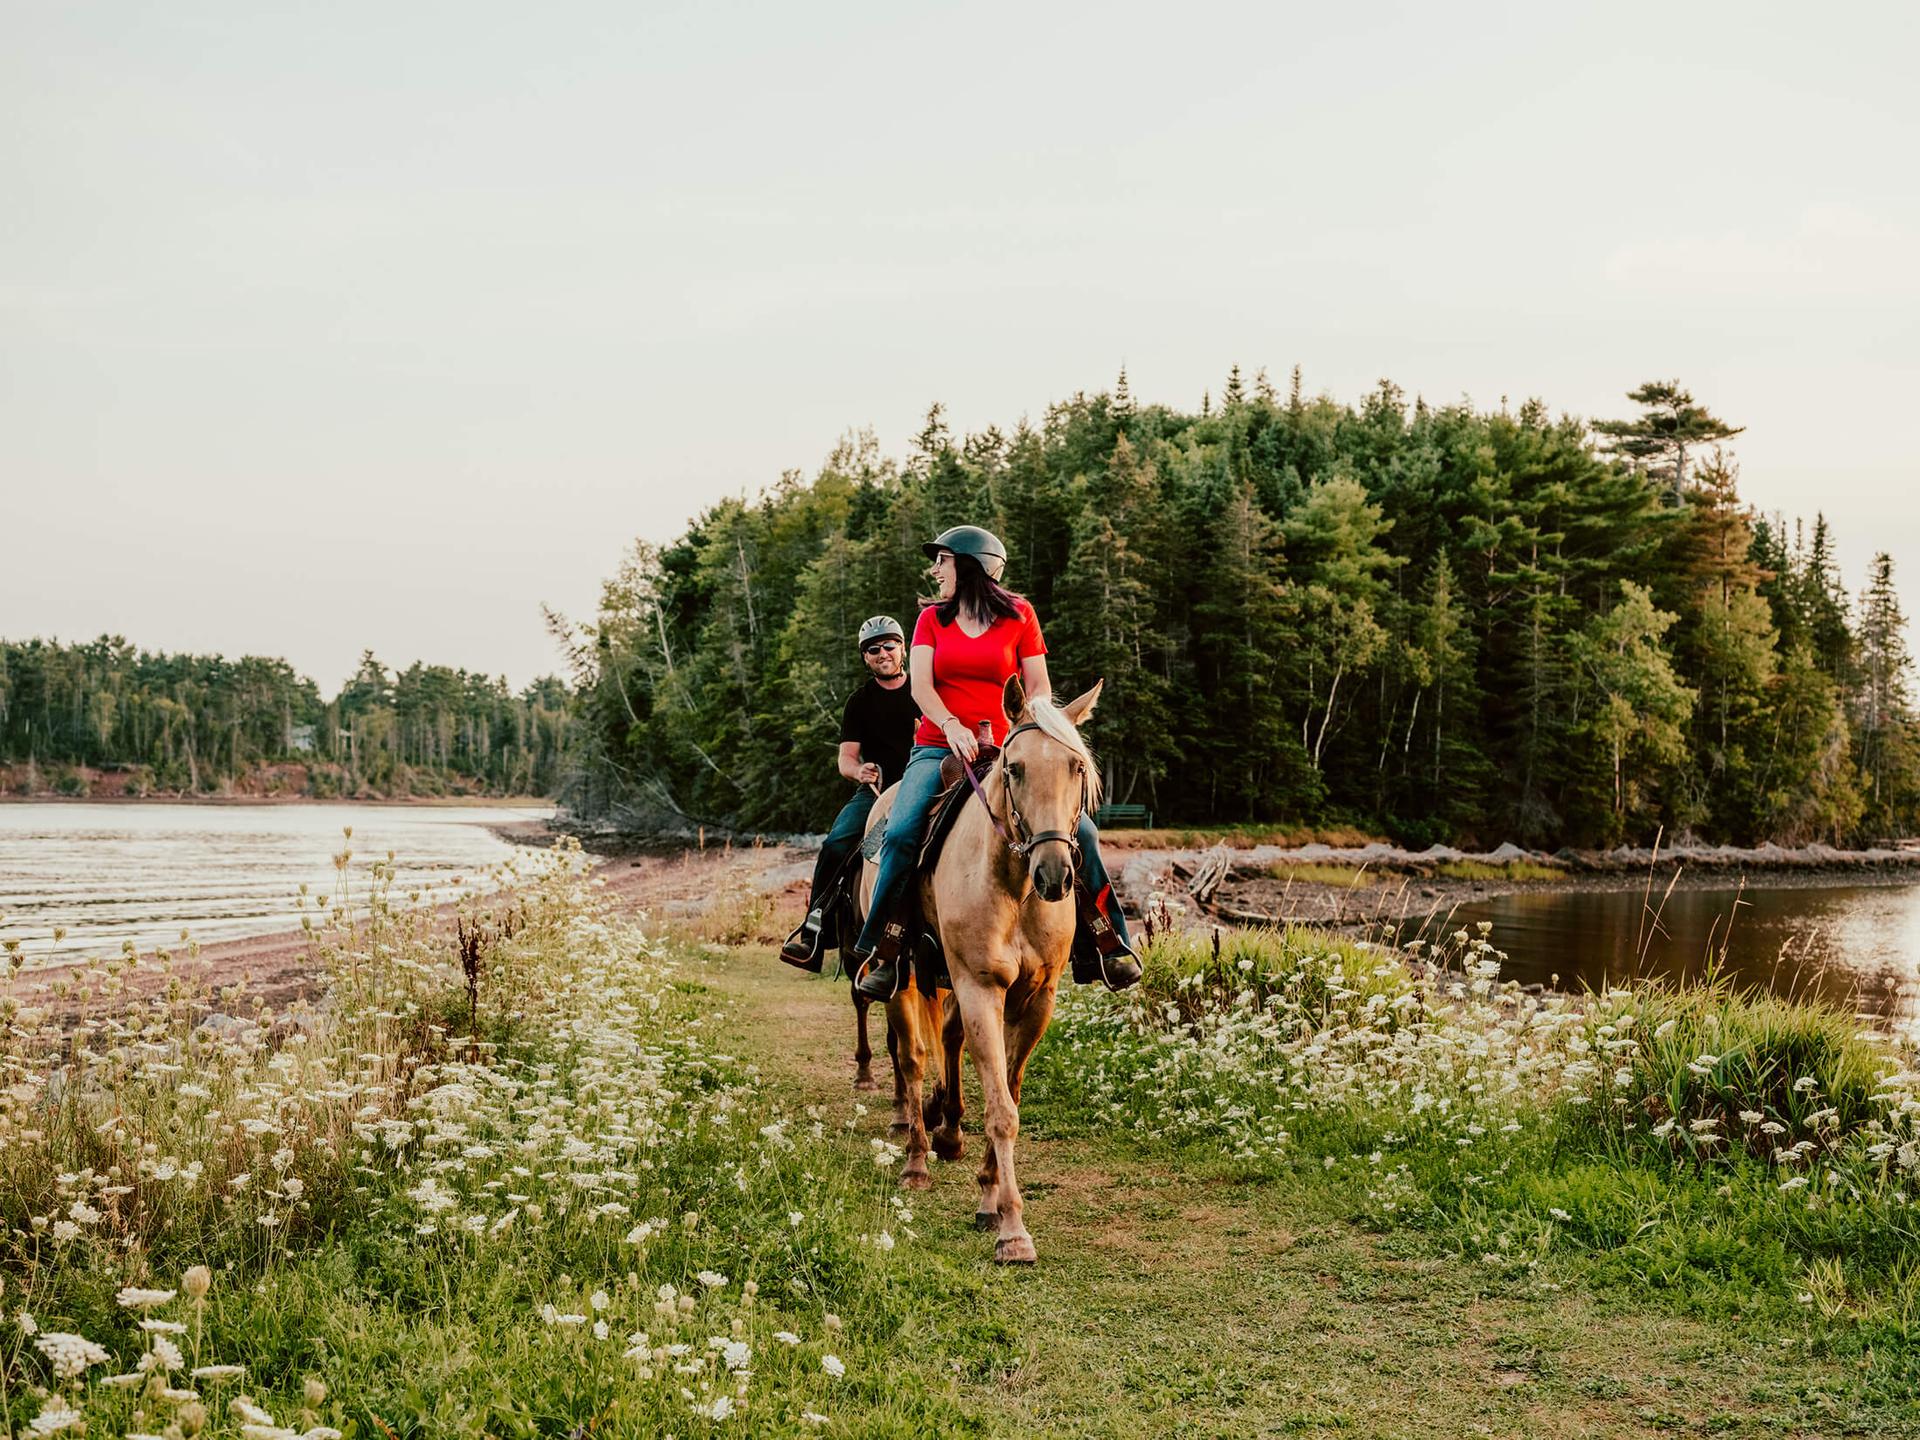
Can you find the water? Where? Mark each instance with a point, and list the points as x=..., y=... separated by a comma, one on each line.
x=1856, y=945
x=118, y=872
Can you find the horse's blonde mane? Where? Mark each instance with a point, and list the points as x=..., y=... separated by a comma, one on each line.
x=1054, y=722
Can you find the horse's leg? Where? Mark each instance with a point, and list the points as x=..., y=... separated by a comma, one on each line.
x=862, y=1048
x=983, y=1013
x=906, y=1013
x=1023, y=1034
x=894, y=1046
x=948, y=1102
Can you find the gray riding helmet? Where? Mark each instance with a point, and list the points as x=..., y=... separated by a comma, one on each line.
x=879, y=626
x=982, y=545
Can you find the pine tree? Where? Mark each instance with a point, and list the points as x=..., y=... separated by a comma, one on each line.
x=1338, y=593
x=1244, y=755
x=1883, y=719
x=1725, y=647
x=1670, y=424
x=1823, y=600
x=1638, y=707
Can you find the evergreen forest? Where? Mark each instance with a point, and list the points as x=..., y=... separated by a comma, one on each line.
x=1442, y=623
x=193, y=724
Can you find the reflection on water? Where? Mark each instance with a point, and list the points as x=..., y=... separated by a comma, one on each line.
x=1858, y=945
x=111, y=873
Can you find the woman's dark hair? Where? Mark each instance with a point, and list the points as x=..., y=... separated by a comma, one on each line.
x=976, y=594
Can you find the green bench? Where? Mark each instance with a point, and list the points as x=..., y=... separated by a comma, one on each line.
x=1110, y=815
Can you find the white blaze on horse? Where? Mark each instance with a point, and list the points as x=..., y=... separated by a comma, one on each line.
x=1000, y=900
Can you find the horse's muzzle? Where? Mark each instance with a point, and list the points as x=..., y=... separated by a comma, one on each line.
x=1052, y=875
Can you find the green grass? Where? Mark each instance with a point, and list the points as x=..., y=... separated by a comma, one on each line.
x=1272, y=1189
x=1742, y=1157
x=1345, y=877
x=1238, y=837
x=407, y=1214
x=1187, y=1288
x=1507, y=870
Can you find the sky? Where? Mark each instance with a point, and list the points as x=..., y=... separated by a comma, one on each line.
x=347, y=326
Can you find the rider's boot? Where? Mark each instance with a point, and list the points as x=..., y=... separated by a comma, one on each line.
x=877, y=976
x=803, y=947
x=1101, y=950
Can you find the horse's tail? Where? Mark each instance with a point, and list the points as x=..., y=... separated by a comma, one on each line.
x=928, y=1022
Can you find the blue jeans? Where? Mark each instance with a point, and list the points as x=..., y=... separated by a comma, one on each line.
x=907, y=832
x=842, y=840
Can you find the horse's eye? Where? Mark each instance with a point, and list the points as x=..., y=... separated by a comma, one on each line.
x=1019, y=770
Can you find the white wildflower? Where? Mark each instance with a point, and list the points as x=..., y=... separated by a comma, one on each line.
x=134, y=1298
x=69, y=1354
x=56, y=1416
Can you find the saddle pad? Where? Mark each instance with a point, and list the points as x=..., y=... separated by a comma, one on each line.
x=871, y=842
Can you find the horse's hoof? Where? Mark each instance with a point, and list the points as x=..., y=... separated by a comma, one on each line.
x=865, y=1083
x=916, y=1180
x=898, y=1126
x=1015, y=1250
x=949, y=1149
x=985, y=1220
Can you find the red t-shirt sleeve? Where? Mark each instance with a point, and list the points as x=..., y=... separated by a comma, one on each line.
x=923, y=628
x=1031, y=642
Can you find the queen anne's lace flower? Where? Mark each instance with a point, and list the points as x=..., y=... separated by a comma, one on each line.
x=69, y=1355
x=56, y=1417
x=134, y=1298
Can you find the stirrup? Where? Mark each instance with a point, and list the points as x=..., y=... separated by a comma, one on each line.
x=877, y=980
x=876, y=975
x=802, y=948
x=1100, y=952
x=1116, y=969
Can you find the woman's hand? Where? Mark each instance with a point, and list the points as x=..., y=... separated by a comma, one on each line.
x=959, y=739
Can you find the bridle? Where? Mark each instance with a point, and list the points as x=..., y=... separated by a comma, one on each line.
x=1029, y=838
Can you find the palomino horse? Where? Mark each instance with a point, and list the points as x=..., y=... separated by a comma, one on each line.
x=1000, y=900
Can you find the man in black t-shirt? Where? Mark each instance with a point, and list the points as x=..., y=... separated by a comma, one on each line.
x=876, y=731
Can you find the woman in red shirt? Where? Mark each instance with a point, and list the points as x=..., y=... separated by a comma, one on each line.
x=966, y=646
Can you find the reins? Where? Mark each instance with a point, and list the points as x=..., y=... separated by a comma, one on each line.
x=1021, y=847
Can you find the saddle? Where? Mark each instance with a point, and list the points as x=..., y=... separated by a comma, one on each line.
x=952, y=800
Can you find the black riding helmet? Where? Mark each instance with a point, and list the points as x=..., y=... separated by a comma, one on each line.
x=983, y=545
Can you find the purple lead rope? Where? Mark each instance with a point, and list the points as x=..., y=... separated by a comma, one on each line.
x=973, y=780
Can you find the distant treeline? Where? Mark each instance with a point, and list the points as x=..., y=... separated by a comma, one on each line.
x=200, y=724
x=1443, y=623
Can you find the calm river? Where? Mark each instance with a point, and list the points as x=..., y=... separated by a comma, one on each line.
x=115, y=872
x=1858, y=945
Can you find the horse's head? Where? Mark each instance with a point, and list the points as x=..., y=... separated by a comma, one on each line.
x=1051, y=780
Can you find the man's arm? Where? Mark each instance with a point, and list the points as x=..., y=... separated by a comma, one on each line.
x=861, y=772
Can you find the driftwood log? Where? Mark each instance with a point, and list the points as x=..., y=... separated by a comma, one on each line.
x=1214, y=868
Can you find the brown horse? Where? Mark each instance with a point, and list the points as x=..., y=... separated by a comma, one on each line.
x=1004, y=916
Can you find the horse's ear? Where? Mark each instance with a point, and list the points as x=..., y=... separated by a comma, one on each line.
x=1081, y=708
x=1013, y=699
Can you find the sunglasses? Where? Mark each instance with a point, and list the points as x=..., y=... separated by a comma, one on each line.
x=878, y=646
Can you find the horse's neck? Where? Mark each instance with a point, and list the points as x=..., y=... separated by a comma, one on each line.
x=975, y=837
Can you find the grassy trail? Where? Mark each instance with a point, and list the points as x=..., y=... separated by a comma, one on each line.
x=1173, y=1301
